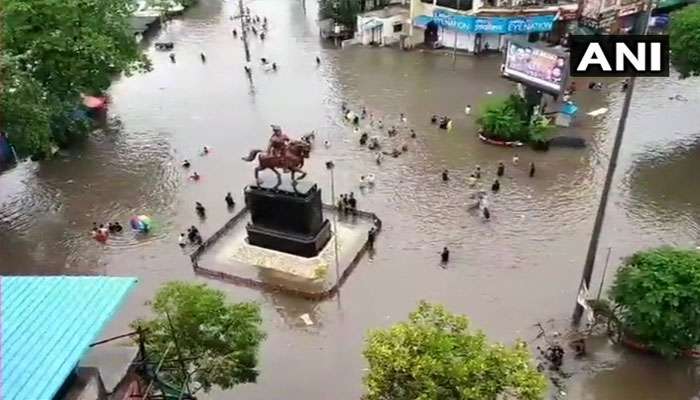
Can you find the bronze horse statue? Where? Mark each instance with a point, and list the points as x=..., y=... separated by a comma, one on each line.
x=290, y=158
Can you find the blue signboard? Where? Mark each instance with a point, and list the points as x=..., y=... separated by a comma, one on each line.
x=462, y=23
x=495, y=25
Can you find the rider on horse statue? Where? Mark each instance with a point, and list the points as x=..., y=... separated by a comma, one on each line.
x=278, y=142
x=282, y=153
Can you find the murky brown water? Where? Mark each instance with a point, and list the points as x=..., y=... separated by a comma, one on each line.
x=521, y=267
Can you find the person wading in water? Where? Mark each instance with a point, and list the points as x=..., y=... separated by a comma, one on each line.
x=445, y=255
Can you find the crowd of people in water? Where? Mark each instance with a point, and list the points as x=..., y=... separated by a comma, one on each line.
x=381, y=137
x=347, y=204
x=373, y=135
x=253, y=25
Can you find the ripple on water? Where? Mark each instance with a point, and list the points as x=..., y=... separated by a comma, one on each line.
x=663, y=187
x=25, y=200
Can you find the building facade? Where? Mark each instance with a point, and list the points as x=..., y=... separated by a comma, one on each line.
x=613, y=16
x=485, y=25
x=383, y=27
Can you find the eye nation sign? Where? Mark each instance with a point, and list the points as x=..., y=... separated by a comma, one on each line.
x=619, y=55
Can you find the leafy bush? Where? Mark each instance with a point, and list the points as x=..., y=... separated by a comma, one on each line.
x=684, y=34
x=434, y=355
x=541, y=131
x=217, y=340
x=501, y=119
x=657, y=297
x=507, y=119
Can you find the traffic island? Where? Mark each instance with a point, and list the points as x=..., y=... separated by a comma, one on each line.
x=229, y=256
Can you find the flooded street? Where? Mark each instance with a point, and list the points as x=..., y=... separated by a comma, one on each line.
x=520, y=268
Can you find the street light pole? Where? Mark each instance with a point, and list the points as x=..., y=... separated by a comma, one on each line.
x=331, y=167
x=600, y=215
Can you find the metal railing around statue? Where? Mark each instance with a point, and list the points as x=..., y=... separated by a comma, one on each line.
x=273, y=287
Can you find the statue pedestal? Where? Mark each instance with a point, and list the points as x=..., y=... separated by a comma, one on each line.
x=287, y=219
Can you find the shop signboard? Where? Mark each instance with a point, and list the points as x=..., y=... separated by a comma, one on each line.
x=543, y=68
x=494, y=25
x=452, y=21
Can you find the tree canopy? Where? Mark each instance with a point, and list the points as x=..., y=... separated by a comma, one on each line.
x=434, y=356
x=657, y=299
x=343, y=12
x=684, y=35
x=64, y=48
x=24, y=109
x=218, y=341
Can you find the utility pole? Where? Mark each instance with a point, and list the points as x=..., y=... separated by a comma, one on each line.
x=600, y=215
x=454, y=49
x=243, y=31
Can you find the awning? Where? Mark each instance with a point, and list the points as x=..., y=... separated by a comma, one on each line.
x=422, y=21
x=47, y=325
x=372, y=24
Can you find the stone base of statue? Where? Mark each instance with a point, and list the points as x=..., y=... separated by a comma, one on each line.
x=287, y=219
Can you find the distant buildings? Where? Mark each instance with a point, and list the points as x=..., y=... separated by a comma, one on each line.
x=613, y=16
x=482, y=25
x=477, y=26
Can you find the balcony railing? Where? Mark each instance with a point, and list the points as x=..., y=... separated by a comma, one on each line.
x=524, y=4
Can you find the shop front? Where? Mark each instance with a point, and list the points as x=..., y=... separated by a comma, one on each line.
x=477, y=34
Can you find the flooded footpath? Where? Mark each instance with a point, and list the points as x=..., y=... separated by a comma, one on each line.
x=521, y=267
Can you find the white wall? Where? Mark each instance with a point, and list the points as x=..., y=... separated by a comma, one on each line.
x=465, y=41
x=388, y=36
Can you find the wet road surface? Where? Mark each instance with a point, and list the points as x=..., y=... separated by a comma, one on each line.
x=521, y=267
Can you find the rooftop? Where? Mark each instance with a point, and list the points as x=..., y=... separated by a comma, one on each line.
x=526, y=7
x=47, y=325
x=388, y=11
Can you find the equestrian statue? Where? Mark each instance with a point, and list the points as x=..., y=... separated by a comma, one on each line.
x=282, y=153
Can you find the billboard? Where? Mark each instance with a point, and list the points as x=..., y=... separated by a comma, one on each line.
x=532, y=65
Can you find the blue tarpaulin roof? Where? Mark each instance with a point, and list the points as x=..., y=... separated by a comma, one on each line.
x=47, y=324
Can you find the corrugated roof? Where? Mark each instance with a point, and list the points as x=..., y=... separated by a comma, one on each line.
x=47, y=324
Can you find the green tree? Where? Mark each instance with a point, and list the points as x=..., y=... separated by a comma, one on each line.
x=435, y=356
x=25, y=112
x=217, y=340
x=657, y=299
x=66, y=47
x=343, y=12
x=684, y=35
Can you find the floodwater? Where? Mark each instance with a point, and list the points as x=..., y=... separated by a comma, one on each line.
x=520, y=268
